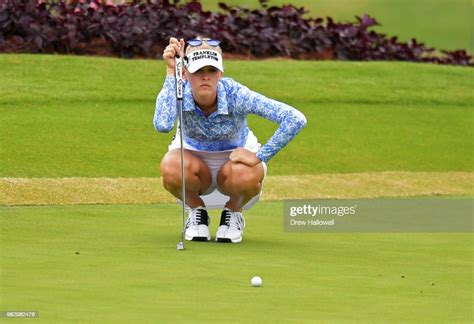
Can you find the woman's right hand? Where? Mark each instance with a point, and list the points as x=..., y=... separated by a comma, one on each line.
x=174, y=47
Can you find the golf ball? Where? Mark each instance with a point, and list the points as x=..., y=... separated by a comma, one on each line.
x=256, y=281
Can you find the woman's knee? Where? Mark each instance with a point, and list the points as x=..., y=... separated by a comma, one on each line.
x=167, y=161
x=241, y=176
x=170, y=167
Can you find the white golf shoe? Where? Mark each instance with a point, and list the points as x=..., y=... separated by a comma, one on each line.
x=197, y=225
x=231, y=227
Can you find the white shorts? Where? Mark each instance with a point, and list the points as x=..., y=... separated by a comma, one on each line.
x=213, y=197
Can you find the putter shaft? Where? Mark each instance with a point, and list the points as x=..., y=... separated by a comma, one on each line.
x=179, y=97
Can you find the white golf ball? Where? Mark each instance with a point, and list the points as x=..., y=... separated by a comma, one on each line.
x=256, y=281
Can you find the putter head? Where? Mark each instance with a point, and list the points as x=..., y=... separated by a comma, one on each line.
x=180, y=246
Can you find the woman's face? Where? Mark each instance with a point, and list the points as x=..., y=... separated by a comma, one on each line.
x=204, y=81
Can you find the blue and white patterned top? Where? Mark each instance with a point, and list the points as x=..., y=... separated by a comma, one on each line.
x=226, y=128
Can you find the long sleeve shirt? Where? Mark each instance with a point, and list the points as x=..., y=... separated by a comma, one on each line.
x=226, y=128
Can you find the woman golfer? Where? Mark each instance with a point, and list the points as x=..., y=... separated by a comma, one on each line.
x=224, y=163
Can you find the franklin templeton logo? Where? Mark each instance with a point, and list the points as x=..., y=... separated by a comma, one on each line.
x=201, y=55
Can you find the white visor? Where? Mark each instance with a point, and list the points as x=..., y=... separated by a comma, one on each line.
x=201, y=58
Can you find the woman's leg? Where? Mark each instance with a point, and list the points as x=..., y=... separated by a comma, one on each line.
x=197, y=175
x=240, y=182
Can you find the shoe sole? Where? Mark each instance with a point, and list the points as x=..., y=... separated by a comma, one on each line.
x=228, y=240
x=198, y=238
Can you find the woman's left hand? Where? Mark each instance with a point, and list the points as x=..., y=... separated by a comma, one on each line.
x=244, y=156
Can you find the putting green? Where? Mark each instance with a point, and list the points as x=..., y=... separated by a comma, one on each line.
x=119, y=263
x=369, y=135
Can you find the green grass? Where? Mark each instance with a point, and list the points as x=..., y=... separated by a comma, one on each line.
x=128, y=270
x=444, y=24
x=92, y=117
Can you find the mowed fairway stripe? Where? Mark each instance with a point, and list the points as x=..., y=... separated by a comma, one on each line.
x=76, y=191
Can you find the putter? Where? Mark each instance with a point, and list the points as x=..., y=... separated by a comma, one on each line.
x=178, y=71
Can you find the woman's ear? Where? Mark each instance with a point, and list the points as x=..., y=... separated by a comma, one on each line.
x=185, y=76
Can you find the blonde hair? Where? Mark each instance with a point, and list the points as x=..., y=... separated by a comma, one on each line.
x=204, y=45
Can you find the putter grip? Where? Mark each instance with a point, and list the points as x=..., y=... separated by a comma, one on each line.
x=178, y=72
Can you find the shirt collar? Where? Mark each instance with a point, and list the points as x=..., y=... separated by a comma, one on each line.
x=189, y=104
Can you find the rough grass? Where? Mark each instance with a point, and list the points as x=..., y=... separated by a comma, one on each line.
x=92, y=117
x=77, y=191
x=444, y=24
